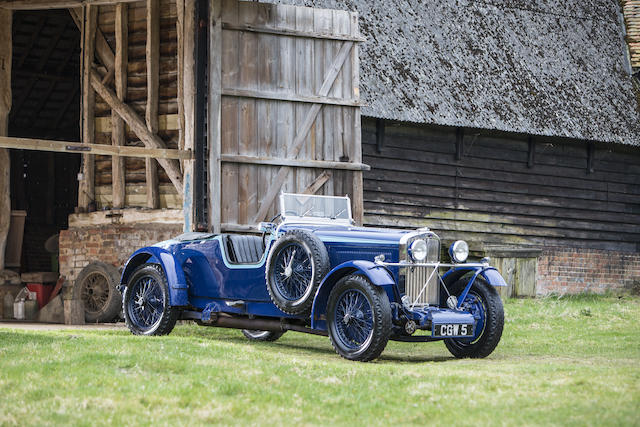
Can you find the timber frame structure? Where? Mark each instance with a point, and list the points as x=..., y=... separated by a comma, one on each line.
x=182, y=106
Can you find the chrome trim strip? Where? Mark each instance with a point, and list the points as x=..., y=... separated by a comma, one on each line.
x=432, y=264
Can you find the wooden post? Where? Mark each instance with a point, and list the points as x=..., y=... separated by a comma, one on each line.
x=214, y=128
x=86, y=193
x=5, y=107
x=189, y=96
x=118, y=131
x=153, y=74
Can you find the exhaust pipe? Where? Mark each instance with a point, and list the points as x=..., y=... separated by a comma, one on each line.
x=223, y=320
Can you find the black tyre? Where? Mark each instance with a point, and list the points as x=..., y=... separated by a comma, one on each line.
x=254, y=335
x=296, y=265
x=482, y=300
x=359, y=318
x=96, y=287
x=146, y=302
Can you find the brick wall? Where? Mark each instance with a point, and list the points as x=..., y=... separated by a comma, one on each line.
x=567, y=270
x=112, y=244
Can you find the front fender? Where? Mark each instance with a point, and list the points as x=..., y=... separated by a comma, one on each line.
x=377, y=275
x=172, y=269
x=489, y=274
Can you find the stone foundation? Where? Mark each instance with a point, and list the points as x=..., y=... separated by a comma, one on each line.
x=109, y=243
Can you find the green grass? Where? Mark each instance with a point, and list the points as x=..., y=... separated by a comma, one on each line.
x=561, y=361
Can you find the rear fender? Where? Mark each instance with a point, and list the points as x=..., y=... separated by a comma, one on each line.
x=172, y=270
x=377, y=275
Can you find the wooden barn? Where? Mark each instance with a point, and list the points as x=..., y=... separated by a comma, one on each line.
x=514, y=126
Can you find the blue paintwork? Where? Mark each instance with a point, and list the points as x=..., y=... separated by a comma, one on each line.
x=377, y=275
x=202, y=278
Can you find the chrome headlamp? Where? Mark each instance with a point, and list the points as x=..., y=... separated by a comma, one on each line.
x=459, y=251
x=418, y=250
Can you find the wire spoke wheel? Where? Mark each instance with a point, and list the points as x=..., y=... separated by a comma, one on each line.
x=294, y=271
x=297, y=263
x=96, y=287
x=484, y=303
x=354, y=321
x=95, y=292
x=358, y=318
x=146, y=304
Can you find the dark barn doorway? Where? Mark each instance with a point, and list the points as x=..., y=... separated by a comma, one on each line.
x=45, y=104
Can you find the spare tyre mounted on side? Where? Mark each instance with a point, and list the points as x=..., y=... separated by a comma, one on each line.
x=296, y=265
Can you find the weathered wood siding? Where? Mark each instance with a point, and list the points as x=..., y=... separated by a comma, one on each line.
x=500, y=193
x=276, y=79
x=136, y=97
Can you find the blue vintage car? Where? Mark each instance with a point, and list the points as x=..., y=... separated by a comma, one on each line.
x=313, y=271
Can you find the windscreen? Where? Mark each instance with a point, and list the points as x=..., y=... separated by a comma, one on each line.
x=307, y=206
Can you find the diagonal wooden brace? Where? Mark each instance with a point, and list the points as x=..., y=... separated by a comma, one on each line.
x=138, y=126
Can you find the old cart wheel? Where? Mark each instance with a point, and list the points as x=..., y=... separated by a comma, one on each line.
x=255, y=335
x=96, y=287
x=296, y=265
x=359, y=318
x=146, y=302
x=485, y=304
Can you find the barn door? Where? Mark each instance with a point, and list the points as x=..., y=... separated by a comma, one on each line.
x=283, y=109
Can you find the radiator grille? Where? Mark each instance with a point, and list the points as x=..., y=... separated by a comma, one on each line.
x=416, y=277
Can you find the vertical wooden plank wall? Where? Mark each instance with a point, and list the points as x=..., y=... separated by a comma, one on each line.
x=275, y=60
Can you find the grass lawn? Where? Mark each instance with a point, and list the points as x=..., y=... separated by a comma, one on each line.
x=566, y=361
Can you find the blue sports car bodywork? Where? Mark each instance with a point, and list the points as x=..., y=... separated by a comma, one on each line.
x=316, y=272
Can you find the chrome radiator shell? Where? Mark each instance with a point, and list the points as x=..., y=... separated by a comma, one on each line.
x=415, y=277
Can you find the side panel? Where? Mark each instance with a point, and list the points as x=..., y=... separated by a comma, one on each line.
x=379, y=276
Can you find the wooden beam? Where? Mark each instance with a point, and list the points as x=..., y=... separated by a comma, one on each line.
x=118, y=131
x=531, y=155
x=591, y=157
x=55, y=4
x=214, y=128
x=102, y=48
x=302, y=163
x=86, y=193
x=380, y=129
x=171, y=167
x=246, y=93
x=188, y=99
x=301, y=135
x=5, y=108
x=459, y=143
x=318, y=183
x=165, y=122
x=292, y=33
x=151, y=114
x=96, y=149
x=180, y=70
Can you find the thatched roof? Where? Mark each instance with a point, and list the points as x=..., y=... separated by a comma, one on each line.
x=556, y=68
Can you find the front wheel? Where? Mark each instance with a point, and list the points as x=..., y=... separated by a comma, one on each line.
x=359, y=318
x=146, y=302
x=485, y=304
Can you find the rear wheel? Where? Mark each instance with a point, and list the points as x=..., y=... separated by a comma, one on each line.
x=146, y=302
x=485, y=304
x=255, y=335
x=359, y=319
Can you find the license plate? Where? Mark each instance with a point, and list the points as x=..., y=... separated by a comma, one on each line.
x=449, y=330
